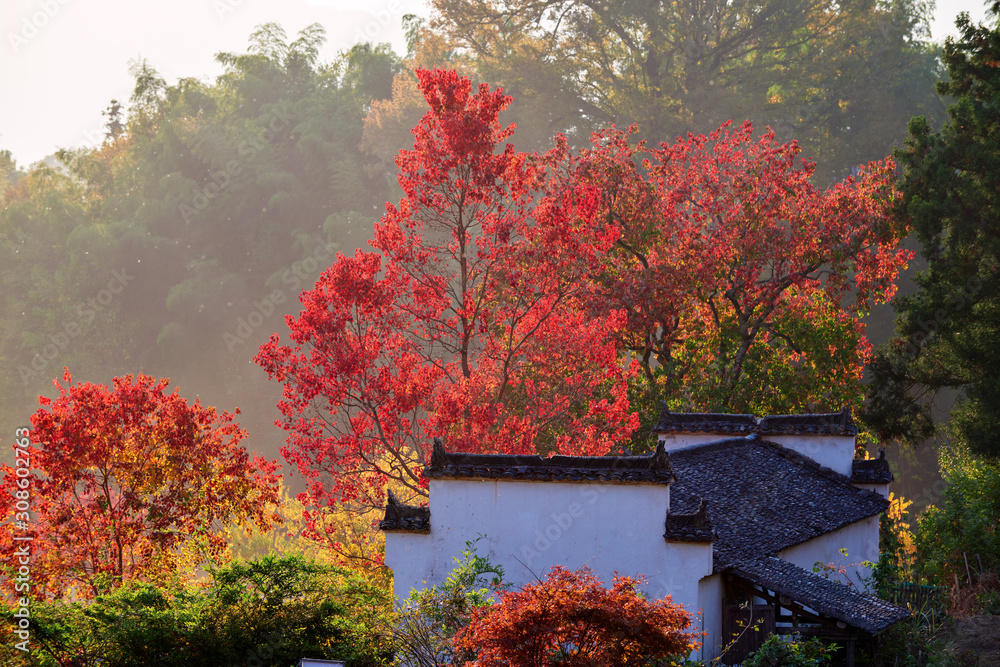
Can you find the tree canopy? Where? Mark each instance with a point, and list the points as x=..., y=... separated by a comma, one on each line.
x=741, y=281
x=946, y=332
x=842, y=77
x=463, y=326
x=570, y=618
x=269, y=611
x=199, y=216
x=129, y=482
x=523, y=303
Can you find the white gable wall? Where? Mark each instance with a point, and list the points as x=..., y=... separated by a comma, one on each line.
x=860, y=539
x=531, y=526
x=672, y=441
x=830, y=451
x=710, y=599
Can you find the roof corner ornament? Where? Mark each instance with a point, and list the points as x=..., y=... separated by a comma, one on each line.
x=660, y=458
x=845, y=416
x=701, y=516
x=439, y=457
x=393, y=507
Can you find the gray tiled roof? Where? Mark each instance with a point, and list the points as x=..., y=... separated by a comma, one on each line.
x=707, y=422
x=764, y=497
x=830, y=598
x=832, y=423
x=872, y=471
x=409, y=518
x=689, y=527
x=645, y=469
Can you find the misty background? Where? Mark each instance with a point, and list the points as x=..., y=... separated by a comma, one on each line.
x=173, y=176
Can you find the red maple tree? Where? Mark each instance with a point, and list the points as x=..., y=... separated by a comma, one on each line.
x=129, y=482
x=742, y=281
x=465, y=325
x=572, y=619
x=513, y=297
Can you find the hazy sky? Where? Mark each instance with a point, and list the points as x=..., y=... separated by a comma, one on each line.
x=62, y=61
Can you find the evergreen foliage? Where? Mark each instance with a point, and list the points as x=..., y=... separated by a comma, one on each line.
x=946, y=333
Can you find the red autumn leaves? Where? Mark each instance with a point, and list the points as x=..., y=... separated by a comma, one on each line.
x=512, y=301
x=571, y=619
x=132, y=482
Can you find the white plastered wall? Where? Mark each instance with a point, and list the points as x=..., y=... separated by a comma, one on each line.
x=531, y=526
x=859, y=539
x=672, y=441
x=830, y=451
x=710, y=599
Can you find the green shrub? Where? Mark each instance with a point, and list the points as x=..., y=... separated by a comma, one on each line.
x=779, y=651
x=429, y=618
x=266, y=612
x=963, y=524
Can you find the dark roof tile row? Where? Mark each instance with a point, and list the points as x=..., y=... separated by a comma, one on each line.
x=872, y=471
x=828, y=597
x=689, y=527
x=833, y=423
x=709, y=422
x=409, y=518
x=646, y=469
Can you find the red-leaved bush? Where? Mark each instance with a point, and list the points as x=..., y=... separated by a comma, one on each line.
x=571, y=620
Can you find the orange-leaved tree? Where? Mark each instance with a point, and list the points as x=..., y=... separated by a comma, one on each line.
x=571, y=619
x=127, y=482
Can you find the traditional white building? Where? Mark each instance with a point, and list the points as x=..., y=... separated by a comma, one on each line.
x=728, y=516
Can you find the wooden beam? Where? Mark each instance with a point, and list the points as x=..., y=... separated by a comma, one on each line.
x=833, y=627
x=807, y=631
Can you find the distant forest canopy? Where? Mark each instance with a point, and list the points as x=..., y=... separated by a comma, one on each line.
x=176, y=246
x=842, y=78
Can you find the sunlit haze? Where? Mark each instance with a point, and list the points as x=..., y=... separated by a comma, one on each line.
x=62, y=61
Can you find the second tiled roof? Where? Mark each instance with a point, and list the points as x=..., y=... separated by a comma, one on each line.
x=833, y=423
x=764, y=498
